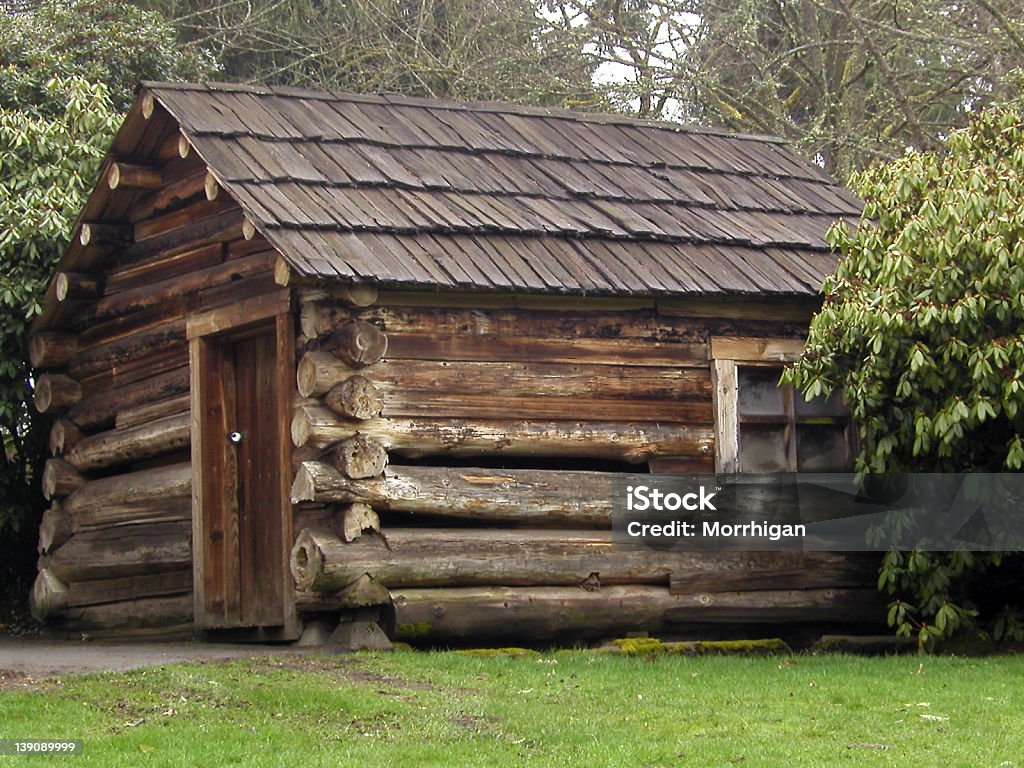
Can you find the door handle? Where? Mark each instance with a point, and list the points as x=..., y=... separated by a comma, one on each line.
x=236, y=437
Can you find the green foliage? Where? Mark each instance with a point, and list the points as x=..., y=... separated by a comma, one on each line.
x=46, y=171
x=100, y=41
x=66, y=68
x=921, y=329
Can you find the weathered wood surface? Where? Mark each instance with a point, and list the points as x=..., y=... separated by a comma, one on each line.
x=743, y=571
x=530, y=496
x=130, y=614
x=422, y=557
x=102, y=234
x=51, y=349
x=130, y=550
x=639, y=338
x=64, y=436
x=163, y=493
x=220, y=228
x=359, y=457
x=99, y=407
x=320, y=427
x=395, y=388
x=455, y=557
x=146, y=366
x=156, y=293
x=76, y=286
x=356, y=519
x=129, y=588
x=357, y=343
x=156, y=270
x=55, y=392
x=141, y=414
x=363, y=593
x=431, y=346
x=171, y=222
x=539, y=614
x=54, y=528
x=189, y=182
x=49, y=595
x=122, y=446
x=60, y=479
x=319, y=371
x=134, y=176
x=144, y=343
x=593, y=318
x=354, y=398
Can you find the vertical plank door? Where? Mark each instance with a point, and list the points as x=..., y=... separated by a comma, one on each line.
x=241, y=512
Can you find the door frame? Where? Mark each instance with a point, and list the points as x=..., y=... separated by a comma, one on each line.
x=205, y=330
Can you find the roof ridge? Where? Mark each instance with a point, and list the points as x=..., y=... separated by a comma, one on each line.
x=558, y=113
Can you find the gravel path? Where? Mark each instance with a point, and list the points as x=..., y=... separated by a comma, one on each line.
x=38, y=659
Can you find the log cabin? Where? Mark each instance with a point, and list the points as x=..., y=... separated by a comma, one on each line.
x=314, y=355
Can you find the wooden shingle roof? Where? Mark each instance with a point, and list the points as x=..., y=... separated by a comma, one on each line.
x=425, y=193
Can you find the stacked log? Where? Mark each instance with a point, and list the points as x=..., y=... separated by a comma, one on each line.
x=456, y=557
x=419, y=437
x=543, y=614
x=135, y=576
x=355, y=348
x=382, y=383
x=526, y=496
x=115, y=553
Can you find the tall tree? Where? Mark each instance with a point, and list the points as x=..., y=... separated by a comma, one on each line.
x=852, y=81
x=470, y=49
x=848, y=81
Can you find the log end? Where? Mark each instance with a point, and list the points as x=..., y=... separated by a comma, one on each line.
x=282, y=271
x=307, y=561
x=355, y=398
x=358, y=519
x=300, y=428
x=360, y=457
x=60, y=479
x=305, y=375
x=303, y=487
x=62, y=284
x=49, y=596
x=55, y=393
x=54, y=529
x=361, y=294
x=211, y=187
x=358, y=343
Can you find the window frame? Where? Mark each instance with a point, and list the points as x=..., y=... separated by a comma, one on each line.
x=727, y=355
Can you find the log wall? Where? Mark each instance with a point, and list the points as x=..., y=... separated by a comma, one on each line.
x=112, y=367
x=484, y=434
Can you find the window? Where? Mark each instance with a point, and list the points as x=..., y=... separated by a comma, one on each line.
x=762, y=426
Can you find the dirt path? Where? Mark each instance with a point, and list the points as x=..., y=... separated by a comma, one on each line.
x=27, y=660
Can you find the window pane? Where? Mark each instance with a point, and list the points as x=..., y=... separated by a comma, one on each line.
x=762, y=449
x=759, y=392
x=821, y=449
x=818, y=406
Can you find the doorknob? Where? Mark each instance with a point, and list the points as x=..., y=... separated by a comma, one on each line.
x=236, y=437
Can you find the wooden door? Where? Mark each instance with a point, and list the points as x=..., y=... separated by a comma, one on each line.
x=241, y=525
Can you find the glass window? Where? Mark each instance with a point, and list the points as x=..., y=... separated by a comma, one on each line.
x=780, y=431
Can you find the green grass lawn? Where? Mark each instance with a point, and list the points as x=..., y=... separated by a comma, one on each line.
x=560, y=709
